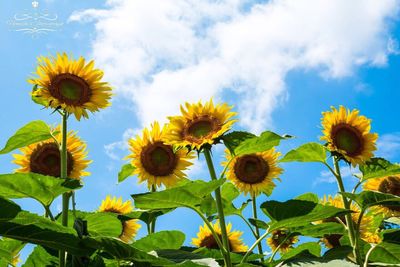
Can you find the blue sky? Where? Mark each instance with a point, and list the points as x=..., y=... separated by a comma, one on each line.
x=278, y=78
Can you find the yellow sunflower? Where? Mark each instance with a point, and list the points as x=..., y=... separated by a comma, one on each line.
x=388, y=185
x=71, y=84
x=280, y=238
x=368, y=229
x=349, y=134
x=206, y=239
x=254, y=173
x=44, y=157
x=200, y=124
x=129, y=227
x=155, y=161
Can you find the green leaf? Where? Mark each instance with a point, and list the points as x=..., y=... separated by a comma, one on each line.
x=310, y=152
x=40, y=257
x=98, y=223
x=229, y=192
x=392, y=236
x=188, y=195
x=9, y=249
x=259, y=223
x=296, y=212
x=125, y=172
x=233, y=139
x=160, y=240
x=311, y=248
x=32, y=185
x=185, y=258
x=386, y=252
x=319, y=230
x=367, y=199
x=37, y=98
x=32, y=132
x=265, y=141
x=144, y=215
x=340, y=252
x=378, y=167
x=31, y=228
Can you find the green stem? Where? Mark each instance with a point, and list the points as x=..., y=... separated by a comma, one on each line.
x=254, y=204
x=253, y=247
x=73, y=204
x=152, y=219
x=248, y=224
x=63, y=175
x=373, y=246
x=220, y=210
x=346, y=203
x=48, y=213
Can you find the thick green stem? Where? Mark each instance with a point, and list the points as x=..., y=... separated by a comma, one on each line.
x=63, y=175
x=220, y=210
x=254, y=204
x=152, y=219
x=349, y=220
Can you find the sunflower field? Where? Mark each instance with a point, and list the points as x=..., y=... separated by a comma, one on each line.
x=358, y=226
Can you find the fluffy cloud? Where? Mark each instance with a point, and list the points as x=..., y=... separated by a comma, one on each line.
x=162, y=53
x=388, y=145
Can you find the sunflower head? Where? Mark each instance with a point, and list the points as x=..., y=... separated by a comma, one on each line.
x=129, y=227
x=71, y=85
x=44, y=157
x=199, y=124
x=282, y=240
x=155, y=161
x=206, y=239
x=254, y=173
x=348, y=134
x=387, y=185
x=368, y=229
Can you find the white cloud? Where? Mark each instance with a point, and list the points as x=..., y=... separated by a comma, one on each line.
x=327, y=176
x=118, y=150
x=388, y=145
x=162, y=53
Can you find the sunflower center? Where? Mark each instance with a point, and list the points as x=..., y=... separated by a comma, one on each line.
x=333, y=240
x=201, y=127
x=347, y=138
x=251, y=169
x=46, y=160
x=70, y=89
x=209, y=242
x=391, y=185
x=158, y=159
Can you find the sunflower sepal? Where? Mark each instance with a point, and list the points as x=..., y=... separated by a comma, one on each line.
x=37, y=97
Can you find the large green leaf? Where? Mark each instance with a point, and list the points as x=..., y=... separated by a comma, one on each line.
x=31, y=228
x=125, y=172
x=32, y=132
x=40, y=257
x=297, y=212
x=9, y=249
x=32, y=185
x=392, y=236
x=185, y=258
x=366, y=199
x=386, y=252
x=311, y=248
x=233, y=139
x=229, y=191
x=188, y=195
x=145, y=216
x=310, y=152
x=160, y=240
x=319, y=230
x=265, y=141
x=98, y=223
x=379, y=167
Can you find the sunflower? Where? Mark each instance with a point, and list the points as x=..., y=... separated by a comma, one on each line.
x=388, y=185
x=155, y=161
x=282, y=239
x=70, y=84
x=206, y=239
x=349, y=134
x=129, y=227
x=368, y=229
x=44, y=157
x=199, y=124
x=253, y=173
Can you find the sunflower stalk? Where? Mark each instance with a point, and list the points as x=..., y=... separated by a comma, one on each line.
x=254, y=246
x=346, y=203
x=152, y=227
x=220, y=210
x=257, y=230
x=63, y=175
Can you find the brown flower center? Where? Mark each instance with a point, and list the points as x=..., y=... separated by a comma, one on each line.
x=390, y=185
x=333, y=240
x=209, y=242
x=158, y=159
x=251, y=169
x=46, y=160
x=199, y=128
x=348, y=138
x=70, y=89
